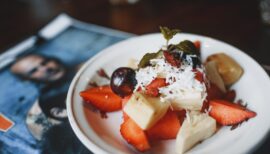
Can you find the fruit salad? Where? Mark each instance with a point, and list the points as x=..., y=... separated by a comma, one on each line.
x=172, y=94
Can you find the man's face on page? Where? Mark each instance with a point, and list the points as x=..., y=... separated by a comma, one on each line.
x=38, y=68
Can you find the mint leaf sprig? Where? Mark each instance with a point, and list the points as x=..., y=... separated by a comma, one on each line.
x=168, y=33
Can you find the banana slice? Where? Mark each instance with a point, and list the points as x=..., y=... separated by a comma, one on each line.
x=145, y=110
x=192, y=100
x=195, y=128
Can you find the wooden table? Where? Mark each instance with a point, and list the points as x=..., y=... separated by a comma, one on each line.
x=236, y=22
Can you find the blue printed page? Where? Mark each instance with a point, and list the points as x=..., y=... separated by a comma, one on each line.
x=34, y=87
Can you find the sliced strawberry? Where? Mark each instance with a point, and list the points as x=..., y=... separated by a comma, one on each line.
x=213, y=92
x=230, y=95
x=102, y=98
x=139, y=89
x=134, y=135
x=197, y=44
x=227, y=113
x=125, y=116
x=205, y=106
x=125, y=100
x=171, y=59
x=166, y=128
x=198, y=75
x=100, y=89
x=181, y=115
x=152, y=88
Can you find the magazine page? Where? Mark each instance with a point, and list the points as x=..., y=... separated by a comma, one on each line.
x=35, y=78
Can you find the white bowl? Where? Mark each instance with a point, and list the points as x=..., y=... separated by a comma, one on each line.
x=103, y=136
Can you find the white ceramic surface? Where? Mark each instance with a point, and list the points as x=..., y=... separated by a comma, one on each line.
x=103, y=136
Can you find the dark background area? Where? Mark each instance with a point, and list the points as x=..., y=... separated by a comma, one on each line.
x=237, y=22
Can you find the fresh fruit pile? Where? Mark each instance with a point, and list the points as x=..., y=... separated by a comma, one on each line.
x=172, y=95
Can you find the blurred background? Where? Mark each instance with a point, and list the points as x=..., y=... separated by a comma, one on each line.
x=242, y=23
x=237, y=22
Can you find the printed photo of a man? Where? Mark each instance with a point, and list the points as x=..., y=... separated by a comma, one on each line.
x=39, y=68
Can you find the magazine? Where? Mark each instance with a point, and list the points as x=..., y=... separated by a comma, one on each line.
x=35, y=76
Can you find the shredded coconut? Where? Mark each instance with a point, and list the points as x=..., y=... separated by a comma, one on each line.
x=144, y=77
x=181, y=81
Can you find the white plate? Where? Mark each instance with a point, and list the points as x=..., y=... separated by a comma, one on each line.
x=103, y=136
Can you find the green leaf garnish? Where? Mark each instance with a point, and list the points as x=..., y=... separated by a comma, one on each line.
x=168, y=33
x=145, y=61
x=187, y=47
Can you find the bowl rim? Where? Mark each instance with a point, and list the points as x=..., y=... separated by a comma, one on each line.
x=97, y=149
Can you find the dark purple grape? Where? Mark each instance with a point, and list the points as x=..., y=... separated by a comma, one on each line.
x=123, y=81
